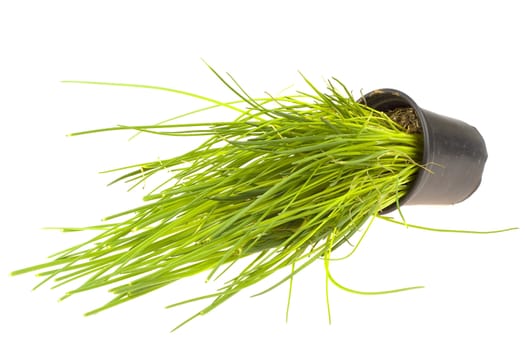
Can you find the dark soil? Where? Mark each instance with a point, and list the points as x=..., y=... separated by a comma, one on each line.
x=407, y=118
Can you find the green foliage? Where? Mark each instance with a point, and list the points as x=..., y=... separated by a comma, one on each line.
x=282, y=185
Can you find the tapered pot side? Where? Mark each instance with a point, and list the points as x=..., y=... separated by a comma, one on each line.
x=454, y=153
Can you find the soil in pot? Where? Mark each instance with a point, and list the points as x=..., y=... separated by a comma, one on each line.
x=407, y=118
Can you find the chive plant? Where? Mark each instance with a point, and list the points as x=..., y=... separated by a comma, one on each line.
x=286, y=182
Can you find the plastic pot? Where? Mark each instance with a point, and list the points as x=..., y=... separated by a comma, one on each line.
x=454, y=153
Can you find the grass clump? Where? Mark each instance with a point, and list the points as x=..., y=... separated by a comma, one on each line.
x=282, y=185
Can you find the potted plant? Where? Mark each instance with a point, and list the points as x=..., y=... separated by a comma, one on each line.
x=281, y=186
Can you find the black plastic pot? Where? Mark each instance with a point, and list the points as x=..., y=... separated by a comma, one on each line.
x=453, y=152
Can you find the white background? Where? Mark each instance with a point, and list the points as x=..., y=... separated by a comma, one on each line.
x=461, y=59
